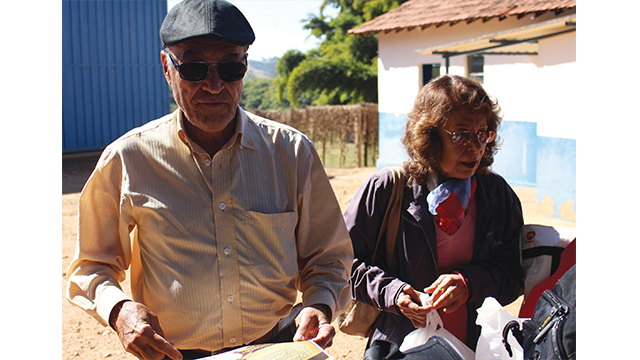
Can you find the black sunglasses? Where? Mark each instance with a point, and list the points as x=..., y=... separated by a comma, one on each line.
x=197, y=71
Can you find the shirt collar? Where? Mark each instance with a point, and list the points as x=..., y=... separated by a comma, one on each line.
x=240, y=134
x=243, y=129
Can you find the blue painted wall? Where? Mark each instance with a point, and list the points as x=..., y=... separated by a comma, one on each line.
x=557, y=173
x=524, y=158
x=112, y=77
x=390, y=130
x=516, y=159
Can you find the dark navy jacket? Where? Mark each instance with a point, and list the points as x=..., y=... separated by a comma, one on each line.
x=495, y=268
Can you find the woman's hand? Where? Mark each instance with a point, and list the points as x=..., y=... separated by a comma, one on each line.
x=449, y=292
x=410, y=305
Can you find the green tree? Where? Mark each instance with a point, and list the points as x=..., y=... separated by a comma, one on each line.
x=261, y=94
x=343, y=69
x=289, y=61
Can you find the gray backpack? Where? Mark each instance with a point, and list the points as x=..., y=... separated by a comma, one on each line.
x=551, y=332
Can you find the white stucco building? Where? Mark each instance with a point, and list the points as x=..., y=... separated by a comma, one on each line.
x=524, y=52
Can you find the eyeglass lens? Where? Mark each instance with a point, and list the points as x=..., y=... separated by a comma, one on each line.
x=463, y=138
x=228, y=72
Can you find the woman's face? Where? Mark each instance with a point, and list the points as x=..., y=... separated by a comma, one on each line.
x=461, y=161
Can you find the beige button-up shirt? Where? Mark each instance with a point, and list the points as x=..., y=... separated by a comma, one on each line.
x=218, y=247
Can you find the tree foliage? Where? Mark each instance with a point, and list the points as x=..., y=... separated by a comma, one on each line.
x=260, y=93
x=343, y=69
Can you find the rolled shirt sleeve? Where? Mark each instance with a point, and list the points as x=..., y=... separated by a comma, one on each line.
x=104, y=253
x=324, y=249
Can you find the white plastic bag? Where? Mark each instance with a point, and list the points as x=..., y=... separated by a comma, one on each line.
x=538, y=268
x=493, y=318
x=434, y=328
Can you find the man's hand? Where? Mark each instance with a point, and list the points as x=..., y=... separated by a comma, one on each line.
x=140, y=333
x=410, y=306
x=314, y=324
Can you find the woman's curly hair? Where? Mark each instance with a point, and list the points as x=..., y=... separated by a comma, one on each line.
x=435, y=103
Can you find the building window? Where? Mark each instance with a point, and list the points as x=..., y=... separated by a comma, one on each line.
x=475, y=67
x=429, y=71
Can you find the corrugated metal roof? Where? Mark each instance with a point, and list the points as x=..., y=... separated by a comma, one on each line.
x=424, y=13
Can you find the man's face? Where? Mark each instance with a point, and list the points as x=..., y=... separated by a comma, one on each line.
x=209, y=105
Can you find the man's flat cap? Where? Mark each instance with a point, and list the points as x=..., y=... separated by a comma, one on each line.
x=215, y=18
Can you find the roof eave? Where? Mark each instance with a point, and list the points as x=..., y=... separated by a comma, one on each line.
x=369, y=27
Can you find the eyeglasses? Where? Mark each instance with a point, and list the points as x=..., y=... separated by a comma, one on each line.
x=197, y=71
x=463, y=138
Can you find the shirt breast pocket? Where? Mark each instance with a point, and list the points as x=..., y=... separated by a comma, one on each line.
x=271, y=243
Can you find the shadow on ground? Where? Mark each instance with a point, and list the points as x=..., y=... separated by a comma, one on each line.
x=76, y=170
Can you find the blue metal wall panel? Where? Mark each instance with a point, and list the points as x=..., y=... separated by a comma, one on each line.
x=112, y=77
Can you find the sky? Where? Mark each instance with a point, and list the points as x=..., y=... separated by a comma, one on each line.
x=277, y=24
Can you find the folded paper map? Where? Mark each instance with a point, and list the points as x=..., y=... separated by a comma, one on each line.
x=300, y=350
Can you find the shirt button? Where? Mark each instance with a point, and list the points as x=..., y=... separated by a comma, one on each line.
x=207, y=162
x=230, y=298
x=232, y=340
x=222, y=206
x=227, y=251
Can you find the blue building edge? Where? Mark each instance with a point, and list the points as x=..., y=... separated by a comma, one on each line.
x=523, y=159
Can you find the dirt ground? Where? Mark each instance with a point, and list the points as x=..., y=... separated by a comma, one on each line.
x=84, y=338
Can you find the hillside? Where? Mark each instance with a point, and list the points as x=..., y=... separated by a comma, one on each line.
x=265, y=68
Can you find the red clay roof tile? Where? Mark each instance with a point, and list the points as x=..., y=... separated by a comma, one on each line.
x=424, y=13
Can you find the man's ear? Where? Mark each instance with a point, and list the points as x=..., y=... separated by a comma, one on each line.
x=165, y=66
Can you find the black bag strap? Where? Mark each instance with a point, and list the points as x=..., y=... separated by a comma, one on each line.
x=554, y=251
x=391, y=219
